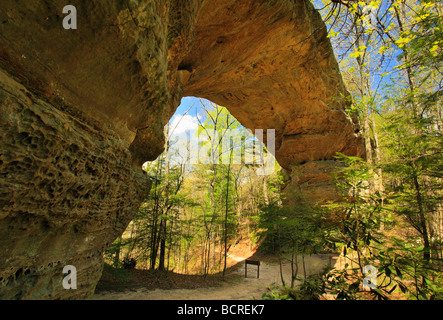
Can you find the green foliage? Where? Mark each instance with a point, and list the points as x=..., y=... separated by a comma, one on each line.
x=312, y=288
x=390, y=53
x=356, y=228
x=195, y=212
x=276, y=292
x=111, y=254
x=293, y=229
x=358, y=215
x=402, y=265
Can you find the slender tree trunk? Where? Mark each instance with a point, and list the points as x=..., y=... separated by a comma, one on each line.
x=226, y=214
x=377, y=161
x=154, y=226
x=365, y=95
x=161, y=262
x=294, y=265
x=265, y=185
x=163, y=222
x=117, y=253
x=401, y=19
x=133, y=241
x=171, y=247
x=422, y=219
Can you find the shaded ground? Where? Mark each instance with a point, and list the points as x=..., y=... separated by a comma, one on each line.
x=154, y=285
x=120, y=280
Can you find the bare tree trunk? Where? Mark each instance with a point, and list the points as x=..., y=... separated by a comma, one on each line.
x=294, y=262
x=154, y=228
x=117, y=253
x=170, y=245
x=422, y=221
x=161, y=262
x=163, y=223
x=226, y=214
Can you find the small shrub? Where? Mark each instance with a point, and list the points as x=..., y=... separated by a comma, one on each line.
x=129, y=263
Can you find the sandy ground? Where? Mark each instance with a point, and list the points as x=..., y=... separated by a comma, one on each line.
x=244, y=289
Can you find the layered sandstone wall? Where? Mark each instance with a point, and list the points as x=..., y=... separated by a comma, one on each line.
x=67, y=190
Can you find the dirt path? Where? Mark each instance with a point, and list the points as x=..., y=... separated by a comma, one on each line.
x=246, y=288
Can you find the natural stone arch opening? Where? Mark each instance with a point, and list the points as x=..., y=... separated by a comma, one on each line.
x=82, y=110
x=186, y=153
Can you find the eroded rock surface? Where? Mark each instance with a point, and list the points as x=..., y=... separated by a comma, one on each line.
x=68, y=189
x=82, y=109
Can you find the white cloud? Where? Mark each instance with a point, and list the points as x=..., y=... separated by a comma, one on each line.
x=180, y=124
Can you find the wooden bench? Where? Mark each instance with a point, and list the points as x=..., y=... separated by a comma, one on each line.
x=253, y=262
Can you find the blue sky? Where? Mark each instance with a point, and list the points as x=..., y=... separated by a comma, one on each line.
x=186, y=103
x=183, y=125
x=185, y=117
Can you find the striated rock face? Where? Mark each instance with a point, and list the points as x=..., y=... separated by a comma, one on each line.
x=81, y=110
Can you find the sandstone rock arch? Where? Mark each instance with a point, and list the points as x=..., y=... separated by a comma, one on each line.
x=81, y=110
